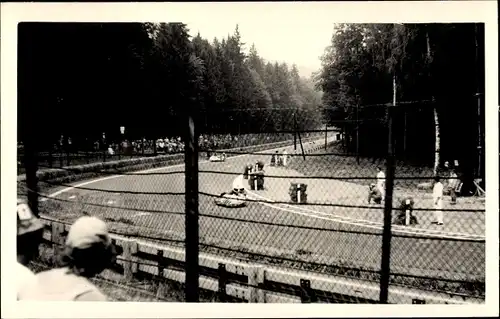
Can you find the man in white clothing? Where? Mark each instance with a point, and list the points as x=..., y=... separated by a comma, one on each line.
x=381, y=182
x=29, y=236
x=437, y=196
x=285, y=157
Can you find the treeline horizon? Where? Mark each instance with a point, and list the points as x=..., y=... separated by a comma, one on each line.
x=83, y=79
x=439, y=75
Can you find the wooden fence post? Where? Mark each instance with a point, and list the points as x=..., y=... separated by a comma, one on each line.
x=162, y=287
x=307, y=294
x=256, y=276
x=222, y=282
x=58, y=233
x=129, y=258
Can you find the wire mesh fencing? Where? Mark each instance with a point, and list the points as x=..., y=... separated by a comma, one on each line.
x=291, y=217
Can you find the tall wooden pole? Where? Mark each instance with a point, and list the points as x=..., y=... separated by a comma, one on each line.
x=404, y=136
x=357, y=134
x=191, y=199
x=387, y=232
x=294, y=131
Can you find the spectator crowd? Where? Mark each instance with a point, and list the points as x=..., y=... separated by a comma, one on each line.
x=166, y=145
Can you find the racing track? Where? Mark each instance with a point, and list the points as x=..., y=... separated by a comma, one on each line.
x=275, y=230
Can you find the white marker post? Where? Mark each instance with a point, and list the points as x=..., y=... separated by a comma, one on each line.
x=407, y=217
x=255, y=176
x=298, y=193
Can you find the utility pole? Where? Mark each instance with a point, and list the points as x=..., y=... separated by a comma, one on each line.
x=385, y=267
x=191, y=207
x=387, y=232
x=404, y=136
x=294, y=131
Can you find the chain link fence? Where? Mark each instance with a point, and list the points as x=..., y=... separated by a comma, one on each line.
x=326, y=216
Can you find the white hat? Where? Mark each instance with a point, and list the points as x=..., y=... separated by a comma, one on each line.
x=87, y=231
x=27, y=222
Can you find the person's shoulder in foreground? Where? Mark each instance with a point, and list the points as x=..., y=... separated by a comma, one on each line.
x=25, y=278
x=62, y=284
x=87, y=252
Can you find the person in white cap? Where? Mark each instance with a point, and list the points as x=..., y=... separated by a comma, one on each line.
x=29, y=237
x=88, y=251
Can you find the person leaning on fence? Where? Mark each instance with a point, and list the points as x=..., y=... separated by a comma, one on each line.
x=437, y=196
x=87, y=252
x=405, y=215
x=29, y=237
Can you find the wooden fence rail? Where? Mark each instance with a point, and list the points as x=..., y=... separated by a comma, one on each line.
x=251, y=282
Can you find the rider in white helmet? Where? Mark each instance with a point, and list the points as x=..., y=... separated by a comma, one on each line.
x=238, y=187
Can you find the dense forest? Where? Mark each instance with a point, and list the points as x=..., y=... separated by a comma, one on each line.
x=438, y=71
x=81, y=80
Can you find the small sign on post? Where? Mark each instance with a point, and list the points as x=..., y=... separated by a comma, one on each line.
x=255, y=176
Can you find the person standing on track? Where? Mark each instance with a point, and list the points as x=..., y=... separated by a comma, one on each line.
x=285, y=157
x=437, y=196
x=381, y=182
x=29, y=237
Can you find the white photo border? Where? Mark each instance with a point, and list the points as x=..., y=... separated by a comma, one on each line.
x=360, y=12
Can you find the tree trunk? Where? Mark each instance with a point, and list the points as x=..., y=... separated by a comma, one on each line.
x=437, y=145
x=437, y=130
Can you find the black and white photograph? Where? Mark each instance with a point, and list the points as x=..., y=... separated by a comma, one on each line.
x=212, y=160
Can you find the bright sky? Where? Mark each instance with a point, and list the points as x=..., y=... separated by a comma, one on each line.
x=283, y=40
